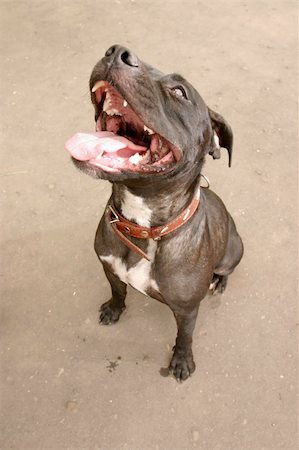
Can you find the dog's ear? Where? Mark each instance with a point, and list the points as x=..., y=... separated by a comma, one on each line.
x=223, y=136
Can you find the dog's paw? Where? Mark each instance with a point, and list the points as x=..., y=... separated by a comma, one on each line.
x=109, y=314
x=181, y=366
x=218, y=284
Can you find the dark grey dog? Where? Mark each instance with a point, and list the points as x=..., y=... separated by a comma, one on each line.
x=161, y=233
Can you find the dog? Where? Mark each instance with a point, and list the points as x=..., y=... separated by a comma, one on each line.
x=161, y=232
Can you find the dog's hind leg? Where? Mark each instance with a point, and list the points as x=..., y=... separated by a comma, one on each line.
x=232, y=257
x=111, y=310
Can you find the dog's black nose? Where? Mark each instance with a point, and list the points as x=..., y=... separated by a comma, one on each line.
x=122, y=55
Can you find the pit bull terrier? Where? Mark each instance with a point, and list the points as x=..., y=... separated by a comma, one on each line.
x=161, y=232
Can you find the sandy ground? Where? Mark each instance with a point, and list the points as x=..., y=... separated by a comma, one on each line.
x=66, y=382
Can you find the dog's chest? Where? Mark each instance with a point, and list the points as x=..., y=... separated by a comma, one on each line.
x=140, y=275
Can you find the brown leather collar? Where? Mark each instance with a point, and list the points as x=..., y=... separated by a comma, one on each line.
x=123, y=227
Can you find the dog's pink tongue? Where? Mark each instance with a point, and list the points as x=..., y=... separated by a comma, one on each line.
x=87, y=146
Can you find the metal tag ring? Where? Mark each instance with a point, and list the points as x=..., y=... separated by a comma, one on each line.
x=206, y=180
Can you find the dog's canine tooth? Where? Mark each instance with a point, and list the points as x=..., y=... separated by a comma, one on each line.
x=145, y=128
x=97, y=85
x=125, y=103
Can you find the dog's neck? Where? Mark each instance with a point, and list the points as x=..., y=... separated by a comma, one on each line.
x=152, y=206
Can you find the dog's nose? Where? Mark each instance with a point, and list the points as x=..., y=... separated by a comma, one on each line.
x=121, y=55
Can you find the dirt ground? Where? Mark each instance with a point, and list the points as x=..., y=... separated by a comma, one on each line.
x=66, y=382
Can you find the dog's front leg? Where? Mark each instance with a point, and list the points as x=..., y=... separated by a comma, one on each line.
x=111, y=310
x=182, y=364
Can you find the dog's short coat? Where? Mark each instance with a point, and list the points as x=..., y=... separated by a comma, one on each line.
x=151, y=188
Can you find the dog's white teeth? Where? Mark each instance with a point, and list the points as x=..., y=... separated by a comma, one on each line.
x=107, y=107
x=113, y=112
x=98, y=85
x=145, y=128
x=135, y=159
x=125, y=103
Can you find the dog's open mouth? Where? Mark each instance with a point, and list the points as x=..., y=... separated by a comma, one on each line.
x=122, y=142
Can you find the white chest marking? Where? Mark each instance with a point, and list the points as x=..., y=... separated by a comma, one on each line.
x=137, y=276
x=134, y=208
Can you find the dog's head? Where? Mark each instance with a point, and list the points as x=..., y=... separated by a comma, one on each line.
x=148, y=125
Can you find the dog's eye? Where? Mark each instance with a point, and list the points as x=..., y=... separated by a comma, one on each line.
x=180, y=92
